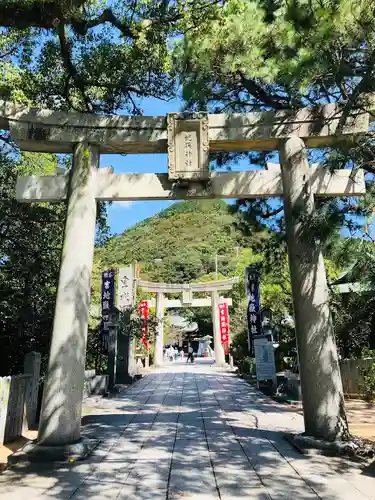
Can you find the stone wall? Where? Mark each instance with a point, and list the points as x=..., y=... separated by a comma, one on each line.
x=13, y=392
x=32, y=368
x=95, y=384
x=293, y=386
x=19, y=400
x=19, y=397
x=351, y=374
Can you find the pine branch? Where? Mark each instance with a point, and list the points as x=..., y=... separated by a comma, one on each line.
x=38, y=14
x=253, y=88
x=45, y=14
x=81, y=26
x=69, y=66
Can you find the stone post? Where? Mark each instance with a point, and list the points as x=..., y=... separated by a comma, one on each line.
x=5, y=383
x=126, y=295
x=219, y=351
x=112, y=349
x=124, y=365
x=322, y=392
x=122, y=359
x=32, y=368
x=60, y=421
x=159, y=340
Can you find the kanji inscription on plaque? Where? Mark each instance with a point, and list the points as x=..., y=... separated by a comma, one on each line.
x=188, y=146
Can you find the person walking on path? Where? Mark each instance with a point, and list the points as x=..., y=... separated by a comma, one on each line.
x=171, y=354
x=190, y=355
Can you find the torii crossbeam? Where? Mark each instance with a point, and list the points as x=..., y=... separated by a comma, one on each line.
x=47, y=131
x=177, y=303
x=138, y=187
x=188, y=139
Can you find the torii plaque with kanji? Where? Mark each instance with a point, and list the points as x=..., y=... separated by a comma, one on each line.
x=188, y=146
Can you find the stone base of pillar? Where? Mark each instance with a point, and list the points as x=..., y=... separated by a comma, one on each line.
x=308, y=445
x=221, y=365
x=32, y=452
x=124, y=384
x=125, y=379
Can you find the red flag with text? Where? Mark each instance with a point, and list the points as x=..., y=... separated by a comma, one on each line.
x=143, y=314
x=224, y=325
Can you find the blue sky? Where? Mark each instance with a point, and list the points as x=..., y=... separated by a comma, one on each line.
x=122, y=215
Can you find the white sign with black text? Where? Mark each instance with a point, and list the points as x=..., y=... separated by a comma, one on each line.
x=264, y=359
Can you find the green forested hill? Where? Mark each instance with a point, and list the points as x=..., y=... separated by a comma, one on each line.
x=183, y=239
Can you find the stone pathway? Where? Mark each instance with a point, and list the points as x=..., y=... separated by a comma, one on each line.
x=191, y=432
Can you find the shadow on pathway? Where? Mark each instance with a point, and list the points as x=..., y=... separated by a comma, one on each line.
x=191, y=432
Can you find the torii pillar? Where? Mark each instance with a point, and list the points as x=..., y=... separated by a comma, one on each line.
x=60, y=421
x=321, y=385
x=159, y=336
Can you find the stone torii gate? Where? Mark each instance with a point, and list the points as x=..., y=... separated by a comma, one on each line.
x=188, y=139
x=177, y=303
x=187, y=290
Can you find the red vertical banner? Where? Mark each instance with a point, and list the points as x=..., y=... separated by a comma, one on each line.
x=224, y=325
x=143, y=314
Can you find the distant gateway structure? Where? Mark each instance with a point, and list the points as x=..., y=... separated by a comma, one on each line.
x=187, y=290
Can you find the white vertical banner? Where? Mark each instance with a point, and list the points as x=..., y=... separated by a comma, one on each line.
x=126, y=288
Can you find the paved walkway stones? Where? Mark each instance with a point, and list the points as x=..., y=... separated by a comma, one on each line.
x=191, y=432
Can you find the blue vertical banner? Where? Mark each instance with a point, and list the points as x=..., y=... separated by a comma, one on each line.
x=107, y=298
x=252, y=288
